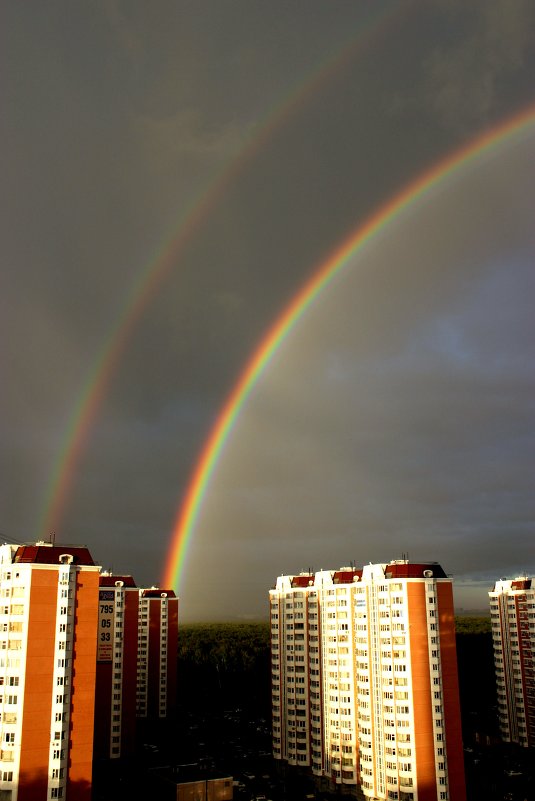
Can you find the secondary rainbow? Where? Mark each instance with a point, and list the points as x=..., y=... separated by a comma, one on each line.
x=153, y=275
x=294, y=311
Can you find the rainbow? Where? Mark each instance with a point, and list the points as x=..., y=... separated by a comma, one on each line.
x=151, y=278
x=294, y=311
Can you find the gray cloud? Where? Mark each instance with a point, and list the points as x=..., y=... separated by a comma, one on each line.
x=409, y=429
x=485, y=49
x=397, y=415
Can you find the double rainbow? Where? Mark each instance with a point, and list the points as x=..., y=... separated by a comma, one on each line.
x=517, y=126
x=154, y=274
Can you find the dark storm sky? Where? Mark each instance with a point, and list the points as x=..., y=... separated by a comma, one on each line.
x=399, y=414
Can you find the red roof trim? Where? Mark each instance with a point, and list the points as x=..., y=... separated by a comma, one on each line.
x=157, y=593
x=524, y=584
x=302, y=581
x=111, y=581
x=414, y=570
x=50, y=554
x=346, y=576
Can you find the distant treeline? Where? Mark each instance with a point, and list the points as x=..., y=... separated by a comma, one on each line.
x=228, y=664
x=229, y=646
x=240, y=644
x=224, y=666
x=472, y=625
x=477, y=682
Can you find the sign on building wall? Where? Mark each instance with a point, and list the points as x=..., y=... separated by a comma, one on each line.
x=106, y=606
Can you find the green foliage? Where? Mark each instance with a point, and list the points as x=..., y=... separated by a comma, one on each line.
x=472, y=625
x=229, y=646
x=227, y=665
x=239, y=646
x=224, y=665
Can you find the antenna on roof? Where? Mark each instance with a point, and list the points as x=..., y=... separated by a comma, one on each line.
x=52, y=537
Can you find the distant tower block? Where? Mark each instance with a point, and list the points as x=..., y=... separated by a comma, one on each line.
x=512, y=612
x=117, y=644
x=157, y=654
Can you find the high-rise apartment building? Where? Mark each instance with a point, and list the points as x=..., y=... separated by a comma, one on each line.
x=295, y=671
x=512, y=612
x=84, y=657
x=136, y=662
x=48, y=643
x=364, y=679
x=156, y=656
x=116, y=686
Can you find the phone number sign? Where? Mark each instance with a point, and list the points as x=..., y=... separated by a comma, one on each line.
x=106, y=605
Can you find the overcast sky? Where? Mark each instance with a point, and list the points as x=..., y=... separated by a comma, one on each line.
x=398, y=416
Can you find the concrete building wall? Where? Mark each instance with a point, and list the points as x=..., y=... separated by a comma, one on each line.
x=512, y=609
x=48, y=628
x=157, y=653
x=380, y=703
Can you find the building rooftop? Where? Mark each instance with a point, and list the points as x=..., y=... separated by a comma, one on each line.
x=521, y=584
x=43, y=553
x=111, y=579
x=157, y=592
x=303, y=580
x=405, y=569
x=346, y=575
x=190, y=774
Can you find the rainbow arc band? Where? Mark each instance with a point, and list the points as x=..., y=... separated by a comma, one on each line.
x=151, y=278
x=518, y=125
